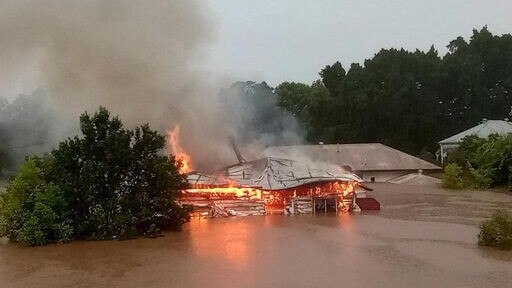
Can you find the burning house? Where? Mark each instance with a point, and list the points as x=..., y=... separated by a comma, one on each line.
x=266, y=185
x=270, y=185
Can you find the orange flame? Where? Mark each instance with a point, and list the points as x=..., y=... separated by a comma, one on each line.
x=237, y=192
x=173, y=139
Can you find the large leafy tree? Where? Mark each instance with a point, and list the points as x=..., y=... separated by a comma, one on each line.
x=113, y=182
x=477, y=80
x=294, y=97
x=333, y=77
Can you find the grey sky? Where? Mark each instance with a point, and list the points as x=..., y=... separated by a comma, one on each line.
x=291, y=40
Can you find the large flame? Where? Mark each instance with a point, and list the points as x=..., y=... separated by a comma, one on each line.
x=173, y=139
x=227, y=189
x=230, y=190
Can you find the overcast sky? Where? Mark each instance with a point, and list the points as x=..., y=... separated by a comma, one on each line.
x=291, y=40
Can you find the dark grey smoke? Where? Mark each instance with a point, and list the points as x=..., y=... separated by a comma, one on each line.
x=254, y=117
x=29, y=124
x=136, y=58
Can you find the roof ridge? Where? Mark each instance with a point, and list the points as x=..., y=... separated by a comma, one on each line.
x=379, y=156
x=491, y=126
x=332, y=144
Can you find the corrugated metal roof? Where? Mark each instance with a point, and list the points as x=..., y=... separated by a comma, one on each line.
x=482, y=130
x=274, y=174
x=361, y=157
x=198, y=178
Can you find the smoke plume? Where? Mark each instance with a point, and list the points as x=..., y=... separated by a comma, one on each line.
x=136, y=58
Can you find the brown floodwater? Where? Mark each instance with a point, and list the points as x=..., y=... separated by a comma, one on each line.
x=423, y=237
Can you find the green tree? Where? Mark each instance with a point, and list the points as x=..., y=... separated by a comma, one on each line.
x=477, y=80
x=32, y=210
x=110, y=182
x=333, y=77
x=294, y=97
x=115, y=181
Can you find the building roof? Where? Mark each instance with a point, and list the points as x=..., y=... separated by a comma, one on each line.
x=360, y=157
x=482, y=130
x=273, y=174
x=415, y=179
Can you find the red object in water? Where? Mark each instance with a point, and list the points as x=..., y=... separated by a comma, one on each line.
x=368, y=204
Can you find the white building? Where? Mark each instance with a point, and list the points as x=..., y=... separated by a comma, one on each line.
x=482, y=130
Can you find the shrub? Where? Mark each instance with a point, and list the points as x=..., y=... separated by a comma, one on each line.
x=453, y=177
x=31, y=210
x=476, y=179
x=497, y=231
x=484, y=163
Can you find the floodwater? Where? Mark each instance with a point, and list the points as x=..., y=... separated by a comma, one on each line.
x=423, y=237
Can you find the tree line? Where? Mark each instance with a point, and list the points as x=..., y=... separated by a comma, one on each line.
x=408, y=100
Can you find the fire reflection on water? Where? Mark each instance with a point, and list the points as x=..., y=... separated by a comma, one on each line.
x=234, y=239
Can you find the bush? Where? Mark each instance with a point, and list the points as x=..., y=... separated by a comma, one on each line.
x=497, y=231
x=453, y=177
x=476, y=179
x=482, y=163
x=31, y=210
